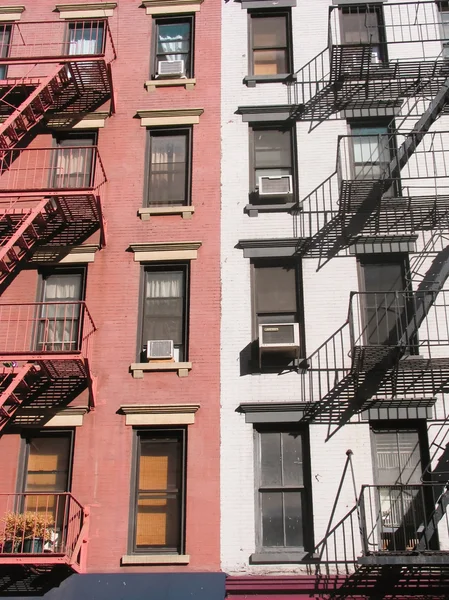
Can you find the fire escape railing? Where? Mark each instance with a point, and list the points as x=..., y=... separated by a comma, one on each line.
x=368, y=158
x=41, y=526
x=51, y=169
x=35, y=330
x=406, y=31
x=416, y=321
x=403, y=518
x=407, y=45
x=58, y=41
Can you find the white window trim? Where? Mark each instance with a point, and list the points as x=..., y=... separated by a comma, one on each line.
x=165, y=251
x=94, y=120
x=152, y=84
x=71, y=416
x=155, y=559
x=171, y=7
x=173, y=116
x=11, y=13
x=159, y=414
x=86, y=10
x=58, y=254
x=185, y=211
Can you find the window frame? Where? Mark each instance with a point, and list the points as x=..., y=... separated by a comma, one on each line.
x=71, y=24
x=186, y=131
x=403, y=259
x=161, y=267
x=169, y=19
x=374, y=123
x=254, y=199
x=66, y=136
x=25, y=453
x=281, y=263
x=286, y=13
x=284, y=553
x=181, y=433
x=5, y=28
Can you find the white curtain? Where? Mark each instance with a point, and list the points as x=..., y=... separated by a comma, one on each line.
x=85, y=39
x=73, y=167
x=164, y=285
x=58, y=323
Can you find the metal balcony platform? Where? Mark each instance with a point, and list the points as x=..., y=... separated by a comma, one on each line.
x=427, y=557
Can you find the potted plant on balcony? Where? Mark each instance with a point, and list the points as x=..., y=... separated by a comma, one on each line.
x=26, y=532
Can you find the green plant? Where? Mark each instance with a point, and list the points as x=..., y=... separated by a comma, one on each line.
x=28, y=525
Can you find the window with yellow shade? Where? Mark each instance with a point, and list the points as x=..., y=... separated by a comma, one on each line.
x=46, y=475
x=270, y=43
x=159, y=492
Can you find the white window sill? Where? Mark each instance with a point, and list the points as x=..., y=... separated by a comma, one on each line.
x=152, y=84
x=186, y=212
x=138, y=369
x=155, y=559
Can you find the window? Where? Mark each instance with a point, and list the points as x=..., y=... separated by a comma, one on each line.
x=173, y=52
x=85, y=37
x=443, y=7
x=165, y=308
x=371, y=151
x=46, y=474
x=364, y=24
x=271, y=47
x=398, y=470
x=387, y=307
x=282, y=483
x=73, y=161
x=5, y=40
x=272, y=164
x=277, y=300
x=169, y=168
x=158, y=520
x=59, y=316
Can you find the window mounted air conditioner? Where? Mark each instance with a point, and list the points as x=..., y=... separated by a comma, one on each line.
x=275, y=185
x=171, y=68
x=279, y=337
x=160, y=349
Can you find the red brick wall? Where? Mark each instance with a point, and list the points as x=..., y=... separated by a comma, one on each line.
x=102, y=459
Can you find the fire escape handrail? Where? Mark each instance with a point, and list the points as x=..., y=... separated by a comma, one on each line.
x=55, y=50
x=73, y=153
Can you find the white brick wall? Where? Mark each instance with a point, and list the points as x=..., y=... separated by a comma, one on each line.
x=326, y=297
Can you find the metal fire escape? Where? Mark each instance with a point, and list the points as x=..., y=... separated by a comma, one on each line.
x=51, y=197
x=398, y=190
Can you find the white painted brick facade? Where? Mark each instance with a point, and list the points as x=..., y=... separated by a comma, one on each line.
x=326, y=299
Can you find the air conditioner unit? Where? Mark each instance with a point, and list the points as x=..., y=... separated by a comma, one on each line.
x=279, y=337
x=171, y=68
x=160, y=349
x=279, y=185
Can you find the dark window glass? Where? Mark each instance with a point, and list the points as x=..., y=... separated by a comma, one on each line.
x=388, y=307
x=276, y=293
x=59, y=314
x=272, y=156
x=164, y=309
x=270, y=44
x=281, y=490
x=159, y=491
x=174, y=43
x=169, y=168
x=5, y=40
x=85, y=37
